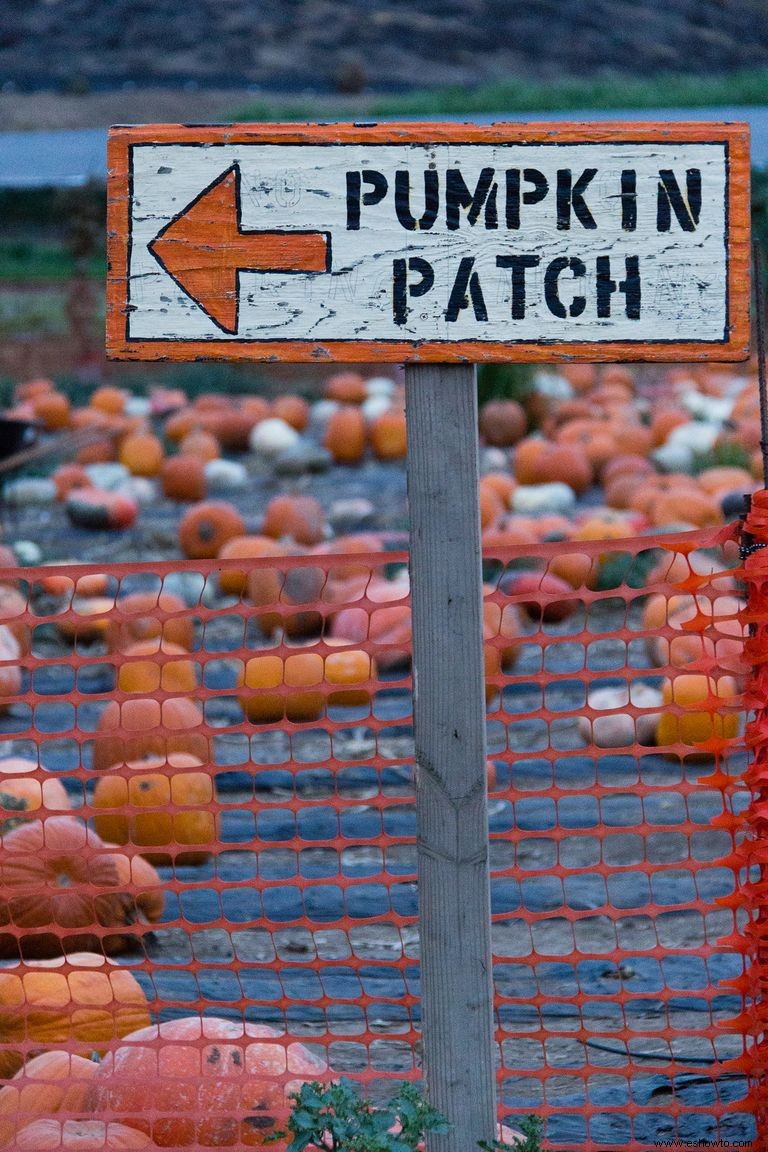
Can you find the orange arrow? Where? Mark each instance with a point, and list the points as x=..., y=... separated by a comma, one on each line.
x=204, y=249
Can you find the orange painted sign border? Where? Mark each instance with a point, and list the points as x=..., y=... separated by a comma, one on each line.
x=735, y=138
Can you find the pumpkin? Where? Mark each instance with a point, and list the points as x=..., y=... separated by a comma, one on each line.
x=141, y=453
x=80, y=1136
x=718, y=480
x=142, y=616
x=81, y=999
x=50, y=1083
x=491, y=506
x=53, y=410
x=502, y=622
x=293, y=409
x=271, y=676
x=178, y=424
x=128, y=731
x=231, y=429
x=149, y=788
x=183, y=478
x=203, y=1083
x=90, y=619
x=352, y=668
x=202, y=445
x=387, y=435
x=96, y=509
x=346, y=388
x=109, y=399
x=541, y=462
x=144, y=677
x=21, y=793
x=345, y=435
x=628, y=464
x=502, y=423
x=274, y=676
x=664, y=421
x=256, y=408
x=264, y=582
x=206, y=527
x=139, y=880
x=575, y=568
x=688, y=507
x=300, y=517
x=699, y=717
x=541, y=588
x=389, y=628
x=352, y=545
x=502, y=483
x=56, y=884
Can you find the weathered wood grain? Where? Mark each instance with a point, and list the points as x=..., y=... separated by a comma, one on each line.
x=449, y=729
x=692, y=298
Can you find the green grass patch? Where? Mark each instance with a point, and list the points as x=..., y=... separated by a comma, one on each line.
x=32, y=259
x=667, y=90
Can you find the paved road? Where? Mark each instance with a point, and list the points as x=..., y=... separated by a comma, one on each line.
x=37, y=159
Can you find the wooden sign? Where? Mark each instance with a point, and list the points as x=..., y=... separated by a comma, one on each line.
x=429, y=242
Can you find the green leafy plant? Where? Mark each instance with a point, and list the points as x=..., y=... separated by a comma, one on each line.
x=336, y=1118
x=531, y=1129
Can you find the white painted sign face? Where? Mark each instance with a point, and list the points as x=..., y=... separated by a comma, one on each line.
x=443, y=245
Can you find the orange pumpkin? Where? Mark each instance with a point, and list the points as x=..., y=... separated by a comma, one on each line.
x=53, y=410
x=345, y=435
x=263, y=583
x=158, y=827
x=503, y=484
x=144, y=727
x=142, y=617
x=300, y=517
x=81, y=999
x=202, y=445
x=56, y=883
x=229, y=1090
x=346, y=388
x=388, y=435
x=502, y=423
x=109, y=399
x=491, y=506
x=21, y=793
x=230, y=429
x=293, y=409
x=50, y=1083
x=143, y=677
x=575, y=568
x=352, y=668
x=689, y=507
x=141, y=453
x=179, y=424
x=141, y=883
x=273, y=677
x=206, y=527
x=182, y=478
x=80, y=1136
x=90, y=619
x=700, y=714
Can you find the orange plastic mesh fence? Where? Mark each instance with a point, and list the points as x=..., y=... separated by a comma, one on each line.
x=207, y=785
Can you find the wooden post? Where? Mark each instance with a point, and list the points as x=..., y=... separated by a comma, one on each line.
x=449, y=724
